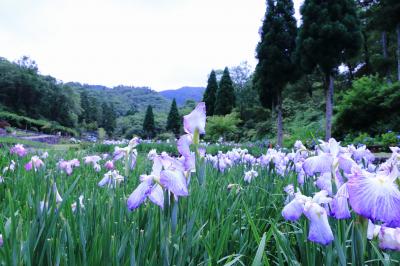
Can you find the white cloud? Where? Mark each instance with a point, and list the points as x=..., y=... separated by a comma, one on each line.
x=161, y=44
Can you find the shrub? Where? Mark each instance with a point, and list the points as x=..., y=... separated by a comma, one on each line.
x=389, y=139
x=222, y=126
x=166, y=136
x=42, y=125
x=370, y=105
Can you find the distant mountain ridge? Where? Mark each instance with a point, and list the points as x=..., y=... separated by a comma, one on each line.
x=127, y=98
x=183, y=94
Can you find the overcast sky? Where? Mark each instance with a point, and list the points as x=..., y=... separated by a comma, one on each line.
x=163, y=44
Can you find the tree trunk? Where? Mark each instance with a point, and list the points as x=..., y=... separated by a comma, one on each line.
x=279, y=119
x=329, y=106
x=366, y=54
x=351, y=74
x=398, y=50
x=385, y=55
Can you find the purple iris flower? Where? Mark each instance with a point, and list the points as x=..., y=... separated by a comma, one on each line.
x=320, y=231
x=374, y=196
x=340, y=205
x=34, y=163
x=294, y=209
x=183, y=144
x=19, y=150
x=389, y=238
x=139, y=195
x=175, y=181
x=329, y=158
x=196, y=120
x=68, y=166
x=146, y=189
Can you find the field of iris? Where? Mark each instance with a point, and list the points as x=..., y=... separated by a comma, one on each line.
x=135, y=208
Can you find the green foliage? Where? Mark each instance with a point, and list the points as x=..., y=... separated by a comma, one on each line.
x=92, y=114
x=210, y=93
x=166, y=136
x=27, y=93
x=225, y=100
x=363, y=138
x=101, y=134
x=389, y=139
x=370, y=106
x=124, y=98
x=109, y=118
x=148, y=123
x=9, y=141
x=275, y=51
x=330, y=34
x=222, y=126
x=29, y=123
x=215, y=226
x=174, y=119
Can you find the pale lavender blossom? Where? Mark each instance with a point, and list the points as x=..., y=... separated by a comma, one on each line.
x=68, y=166
x=111, y=179
x=319, y=231
x=152, y=154
x=249, y=175
x=175, y=181
x=374, y=196
x=80, y=202
x=94, y=159
x=340, y=205
x=35, y=163
x=19, y=150
x=196, y=120
x=109, y=165
x=57, y=194
x=373, y=230
x=330, y=158
x=389, y=238
x=146, y=189
x=1, y=240
x=10, y=168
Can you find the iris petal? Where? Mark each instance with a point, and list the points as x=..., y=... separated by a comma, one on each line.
x=340, y=206
x=293, y=210
x=318, y=164
x=157, y=196
x=375, y=197
x=196, y=120
x=175, y=181
x=139, y=195
x=320, y=230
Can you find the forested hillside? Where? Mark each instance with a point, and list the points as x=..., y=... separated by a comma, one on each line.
x=33, y=101
x=125, y=98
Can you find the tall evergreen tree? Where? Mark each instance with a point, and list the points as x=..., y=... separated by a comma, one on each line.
x=275, y=52
x=210, y=93
x=387, y=18
x=329, y=35
x=149, y=127
x=225, y=100
x=109, y=118
x=174, y=119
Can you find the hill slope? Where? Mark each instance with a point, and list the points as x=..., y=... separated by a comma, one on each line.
x=183, y=94
x=124, y=98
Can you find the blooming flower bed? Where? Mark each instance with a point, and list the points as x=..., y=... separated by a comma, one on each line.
x=327, y=206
